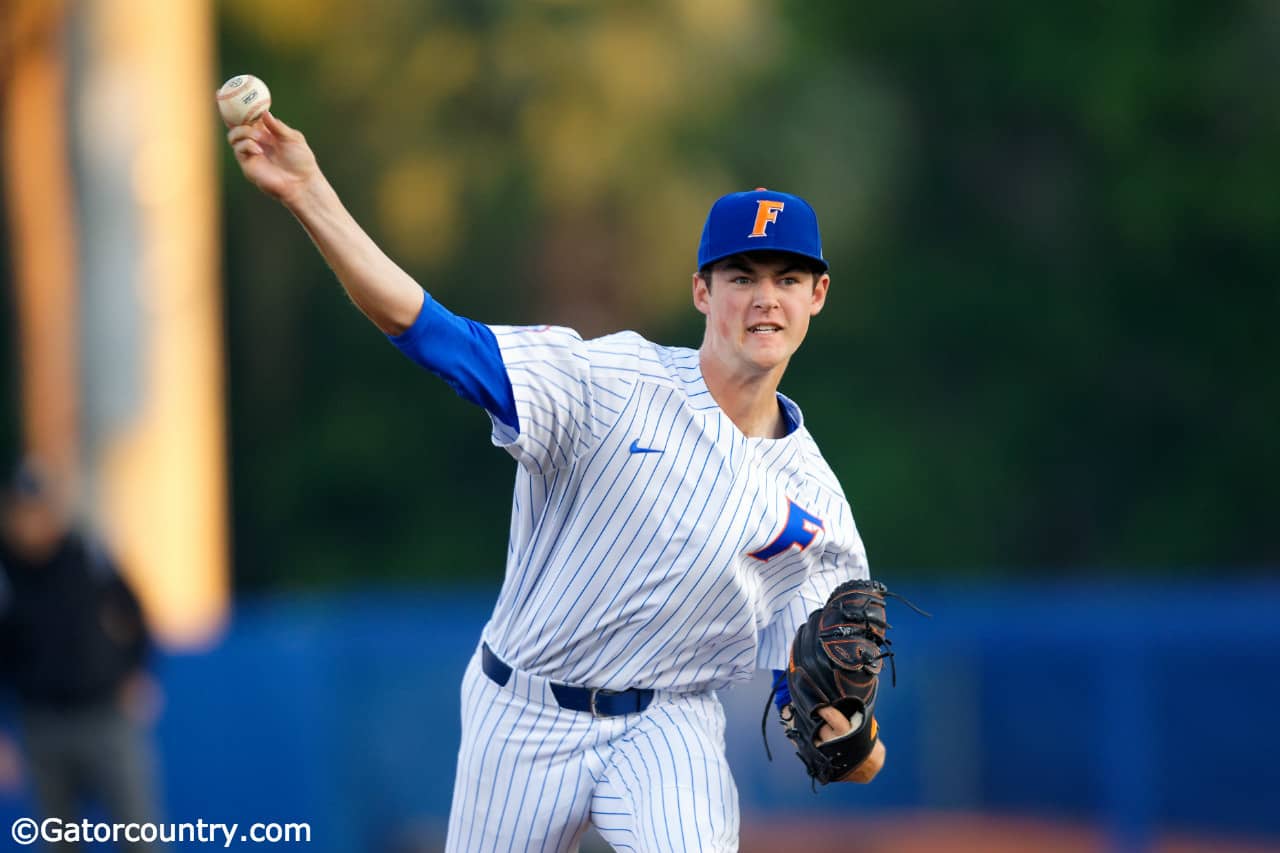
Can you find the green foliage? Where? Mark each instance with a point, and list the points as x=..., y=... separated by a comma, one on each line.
x=1051, y=229
x=1064, y=317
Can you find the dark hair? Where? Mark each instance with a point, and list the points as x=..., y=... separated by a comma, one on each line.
x=814, y=268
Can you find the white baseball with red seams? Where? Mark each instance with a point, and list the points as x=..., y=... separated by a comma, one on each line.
x=243, y=99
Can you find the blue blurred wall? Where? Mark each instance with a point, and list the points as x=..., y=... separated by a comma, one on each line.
x=1140, y=707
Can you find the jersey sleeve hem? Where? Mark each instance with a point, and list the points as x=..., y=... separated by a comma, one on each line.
x=465, y=354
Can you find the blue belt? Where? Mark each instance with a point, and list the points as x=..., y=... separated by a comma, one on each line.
x=595, y=701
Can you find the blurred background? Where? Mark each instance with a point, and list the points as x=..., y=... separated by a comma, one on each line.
x=1046, y=376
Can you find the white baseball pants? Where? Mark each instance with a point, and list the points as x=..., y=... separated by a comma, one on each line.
x=532, y=775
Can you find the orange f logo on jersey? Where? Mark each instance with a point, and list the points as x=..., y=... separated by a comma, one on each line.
x=767, y=210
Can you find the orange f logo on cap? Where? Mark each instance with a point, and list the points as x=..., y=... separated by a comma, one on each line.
x=767, y=210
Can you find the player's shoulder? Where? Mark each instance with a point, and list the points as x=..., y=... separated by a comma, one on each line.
x=617, y=347
x=535, y=338
x=631, y=354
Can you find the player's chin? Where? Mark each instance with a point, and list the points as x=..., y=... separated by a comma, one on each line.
x=768, y=351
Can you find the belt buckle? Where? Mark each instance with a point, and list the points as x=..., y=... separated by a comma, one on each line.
x=596, y=691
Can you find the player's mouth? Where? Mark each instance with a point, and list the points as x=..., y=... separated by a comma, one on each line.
x=764, y=329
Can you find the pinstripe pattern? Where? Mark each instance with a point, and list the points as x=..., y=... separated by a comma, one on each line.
x=637, y=509
x=667, y=785
x=633, y=570
x=531, y=775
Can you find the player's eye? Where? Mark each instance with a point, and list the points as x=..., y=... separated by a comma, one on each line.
x=789, y=281
x=741, y=279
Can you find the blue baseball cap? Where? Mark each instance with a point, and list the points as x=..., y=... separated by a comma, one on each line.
x=760, y=220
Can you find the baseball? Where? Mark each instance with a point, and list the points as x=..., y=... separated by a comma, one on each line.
x=243, y=99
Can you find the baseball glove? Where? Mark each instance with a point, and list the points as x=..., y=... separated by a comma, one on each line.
x=836, y=659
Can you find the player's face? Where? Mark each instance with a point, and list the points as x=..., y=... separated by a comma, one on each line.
x=758, y=308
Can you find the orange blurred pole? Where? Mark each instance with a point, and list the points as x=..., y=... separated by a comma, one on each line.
x=156, y=481
x=148, y=95
x=39, y=198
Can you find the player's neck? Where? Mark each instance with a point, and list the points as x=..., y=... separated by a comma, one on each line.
x=749, y=400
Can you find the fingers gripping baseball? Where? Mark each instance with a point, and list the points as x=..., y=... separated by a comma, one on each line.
x=837, y=725
x=273, y=156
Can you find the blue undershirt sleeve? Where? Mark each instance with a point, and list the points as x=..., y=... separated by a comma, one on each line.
x=464, y=354
x=782, y=696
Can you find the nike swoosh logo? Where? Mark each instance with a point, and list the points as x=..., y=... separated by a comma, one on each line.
x=636, y=448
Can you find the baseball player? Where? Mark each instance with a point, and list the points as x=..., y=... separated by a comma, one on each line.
x=673, y=525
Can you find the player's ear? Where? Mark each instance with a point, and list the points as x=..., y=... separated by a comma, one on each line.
x=820, y=288
x=701, y=293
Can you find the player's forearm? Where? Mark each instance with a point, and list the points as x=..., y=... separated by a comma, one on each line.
x=386, y=294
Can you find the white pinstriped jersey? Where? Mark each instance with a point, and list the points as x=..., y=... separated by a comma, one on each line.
x=652, y=543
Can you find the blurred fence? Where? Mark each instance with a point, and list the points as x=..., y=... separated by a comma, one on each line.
x=1138, y=710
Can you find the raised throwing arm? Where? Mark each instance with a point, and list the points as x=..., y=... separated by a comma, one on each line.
x=277, y=160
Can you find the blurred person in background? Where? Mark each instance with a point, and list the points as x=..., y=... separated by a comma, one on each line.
x=73, y=644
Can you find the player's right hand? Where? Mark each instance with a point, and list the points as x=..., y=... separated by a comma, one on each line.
x=274, y=157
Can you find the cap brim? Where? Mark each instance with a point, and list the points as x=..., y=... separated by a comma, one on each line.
x=822, y=262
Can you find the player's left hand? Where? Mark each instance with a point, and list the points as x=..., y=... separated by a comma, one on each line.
x=837, y=724
x=833, y=676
